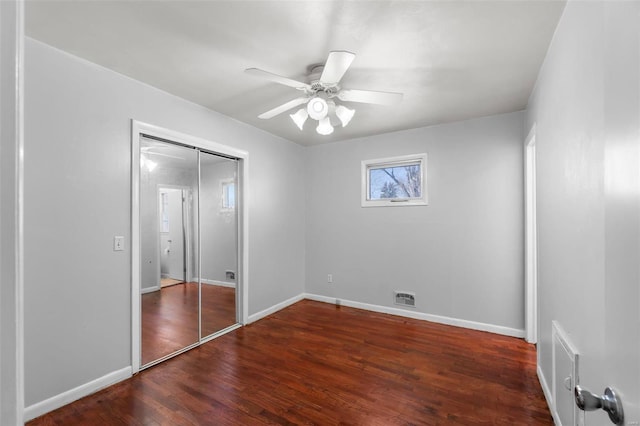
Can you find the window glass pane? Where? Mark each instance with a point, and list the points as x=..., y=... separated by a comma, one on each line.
x=402, y=181
x=229, y=195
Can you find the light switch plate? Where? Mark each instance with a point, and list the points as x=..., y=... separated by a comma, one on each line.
x=118, y=243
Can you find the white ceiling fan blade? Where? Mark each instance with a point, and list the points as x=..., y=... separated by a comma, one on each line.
x=282, y=108
x=337, y=64
x=277, y=78
x=370, y=97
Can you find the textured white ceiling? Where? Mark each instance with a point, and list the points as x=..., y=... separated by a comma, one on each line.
x=453, y=60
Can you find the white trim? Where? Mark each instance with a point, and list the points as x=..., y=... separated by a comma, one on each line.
x=365, y=165
x=136, y=273
x=275, y=308
x=199, y=243
x=12, y=213
x=145, y=290
x=547, y=395
x=531, y=240
x=497, y=329
x=242, y=277
x=64, y=398
x=19, y=299
x=218, y=283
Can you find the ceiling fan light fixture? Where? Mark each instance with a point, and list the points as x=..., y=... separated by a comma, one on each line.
x=148, y=164
x=324, y=127
x=317, y=108
x=300, y=117
x=344, y=114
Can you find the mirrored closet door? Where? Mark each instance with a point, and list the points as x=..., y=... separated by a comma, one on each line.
x=219, y=242
x=188, y=247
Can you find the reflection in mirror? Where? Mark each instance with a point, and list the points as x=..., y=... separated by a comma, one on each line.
x=219, y=243
x=168, y=235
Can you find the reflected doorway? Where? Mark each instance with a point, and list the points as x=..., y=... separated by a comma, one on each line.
x=173, y=208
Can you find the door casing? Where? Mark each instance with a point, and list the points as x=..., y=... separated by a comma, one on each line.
x=531, y=240
x=186, y=211
x=138, y=130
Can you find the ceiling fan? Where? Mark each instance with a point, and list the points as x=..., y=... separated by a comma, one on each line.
x=322, y=91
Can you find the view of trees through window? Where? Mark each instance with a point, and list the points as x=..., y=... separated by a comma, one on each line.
x=401, y=181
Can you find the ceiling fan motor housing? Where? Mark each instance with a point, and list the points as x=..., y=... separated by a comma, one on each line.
x=318, y=87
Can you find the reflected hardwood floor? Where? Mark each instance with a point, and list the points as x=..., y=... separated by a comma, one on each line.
x=166, y=282
x=218, y=308
x=170, y=317
x=315, y=363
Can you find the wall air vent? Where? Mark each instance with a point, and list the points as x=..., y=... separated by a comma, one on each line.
x=405, y=298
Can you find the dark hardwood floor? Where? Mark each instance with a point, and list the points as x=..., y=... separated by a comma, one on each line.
x=170, y=317
x=315, y=363
x=218, y=308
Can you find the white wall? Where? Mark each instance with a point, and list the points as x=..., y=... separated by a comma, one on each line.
x=218, y=226
x=462, y=254
x=586, y=110
x=77, y=186
x=11, y=93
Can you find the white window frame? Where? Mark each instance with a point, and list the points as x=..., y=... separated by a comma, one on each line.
x=367, y=165
x=164, y=214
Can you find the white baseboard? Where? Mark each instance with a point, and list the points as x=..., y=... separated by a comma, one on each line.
x=275, y=308
x=497, y=329
x=220, y=283
x=546, y=390
x=55, y=402
x=146, y=290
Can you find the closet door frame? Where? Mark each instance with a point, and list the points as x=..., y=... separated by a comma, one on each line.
x=139, y=129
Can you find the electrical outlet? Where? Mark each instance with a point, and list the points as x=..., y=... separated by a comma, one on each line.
x=329, y=278
x=118, y=243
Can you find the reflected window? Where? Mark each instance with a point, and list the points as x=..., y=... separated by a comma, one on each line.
x=228, y=195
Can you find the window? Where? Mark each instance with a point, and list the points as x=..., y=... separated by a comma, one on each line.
x=395, y=181
x=228, y=195
x=164, y=212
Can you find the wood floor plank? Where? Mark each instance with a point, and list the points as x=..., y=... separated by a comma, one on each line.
x=318, y=364
x=169, y=320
